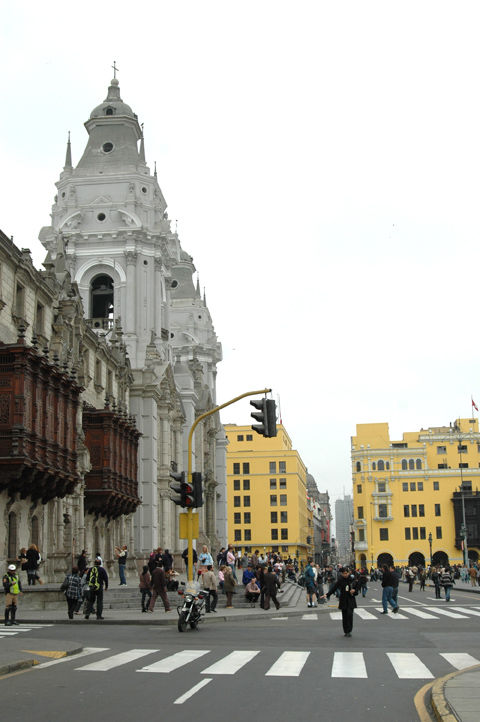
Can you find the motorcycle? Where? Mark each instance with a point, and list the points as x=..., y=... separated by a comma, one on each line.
x=191, y=611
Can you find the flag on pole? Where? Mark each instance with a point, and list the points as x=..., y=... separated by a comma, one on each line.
x=474, y=405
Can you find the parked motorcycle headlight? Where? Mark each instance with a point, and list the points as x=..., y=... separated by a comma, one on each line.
x=188, y=597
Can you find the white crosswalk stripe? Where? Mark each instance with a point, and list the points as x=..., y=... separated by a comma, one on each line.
x=310, y=616
x=14, y=630
x=104, y=665
x=459, y=660
x=446, y=613
x=289, y=664
x=466, y=610
x=408, y=666
x=349, y=664
x=231, y=663
x=364, y=613
x=418, y=612
x=169, y=664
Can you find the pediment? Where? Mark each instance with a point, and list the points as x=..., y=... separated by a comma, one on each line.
x=100, y=201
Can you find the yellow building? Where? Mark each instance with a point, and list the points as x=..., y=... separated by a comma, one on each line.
x=267, y=494
x=412, y=497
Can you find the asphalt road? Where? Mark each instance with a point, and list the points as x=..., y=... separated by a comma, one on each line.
x=284, y=668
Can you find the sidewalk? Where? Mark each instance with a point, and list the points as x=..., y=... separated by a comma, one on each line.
x=457, y=696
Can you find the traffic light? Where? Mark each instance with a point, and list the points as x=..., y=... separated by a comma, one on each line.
x=177, y=487
x=266, y=415
x=197, y=489
x=188, y=501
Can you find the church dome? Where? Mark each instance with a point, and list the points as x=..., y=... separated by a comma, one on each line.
x=113, y=104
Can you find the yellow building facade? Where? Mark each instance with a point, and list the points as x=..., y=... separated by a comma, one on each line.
x=267, y=505
x=412, y=496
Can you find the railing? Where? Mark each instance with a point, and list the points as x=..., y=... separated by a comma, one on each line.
x=100, y=324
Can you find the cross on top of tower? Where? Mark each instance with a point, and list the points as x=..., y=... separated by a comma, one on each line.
x=115, y=69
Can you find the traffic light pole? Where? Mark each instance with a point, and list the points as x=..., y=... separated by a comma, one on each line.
x=189, y=477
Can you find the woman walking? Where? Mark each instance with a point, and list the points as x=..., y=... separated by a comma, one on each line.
x=32, y=564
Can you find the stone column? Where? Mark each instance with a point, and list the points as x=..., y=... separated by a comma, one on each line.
x=130, y=291
x=158, y=296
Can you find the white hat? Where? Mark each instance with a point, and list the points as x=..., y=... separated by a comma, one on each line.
x=12, y=568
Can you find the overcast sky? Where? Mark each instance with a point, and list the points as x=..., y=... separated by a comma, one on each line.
x=322, y=160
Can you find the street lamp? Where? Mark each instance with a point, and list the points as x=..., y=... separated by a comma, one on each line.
x=430, y=538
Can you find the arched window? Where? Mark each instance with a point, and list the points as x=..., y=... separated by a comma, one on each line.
x=35, y=536
x=418, y=463
x=374, y=466
x=411, y=464
x=404, y=465
x=101, y=294
x=358, y=466
x=12, y=535
x=109, y=111
x=381, y=465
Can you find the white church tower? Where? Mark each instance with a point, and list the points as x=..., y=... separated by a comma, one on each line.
x=136, y=285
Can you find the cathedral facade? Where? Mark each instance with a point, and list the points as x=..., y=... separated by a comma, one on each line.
x=115, y=258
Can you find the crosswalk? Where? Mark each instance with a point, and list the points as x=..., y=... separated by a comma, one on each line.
x=6, y=632
x=422, y=612
x=289, y=663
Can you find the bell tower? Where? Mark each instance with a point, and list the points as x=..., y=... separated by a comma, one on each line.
x=136, y=285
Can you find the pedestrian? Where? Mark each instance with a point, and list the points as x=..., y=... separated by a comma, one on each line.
x=97, y=582
x=144, y=585
x=388, y=584
x=410, y=577
x=204, y=561
x=395, y=582
x=309, y=575
x=194, y=558
x=231, y=560
x=271, y=584
x=362, y=582
x=159, y=587
x=209, y=583
x=436, y=582
x=12, y=587
x=319, y=585
x=82, y=562
x=167, y=560
x=248, y=575
x=32, y=564
x=347, y=602
x=122, y=553
x=447, y=581
x=72, y=588
x=473, y=576
x=228, y=585
x=221, y=577
x=23, y=560
x=423, y=578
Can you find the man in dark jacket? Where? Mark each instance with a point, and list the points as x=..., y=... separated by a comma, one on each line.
x=389, y=581
x=271, y=585
x=347, y=602
x=97, y=580
x=159, y=588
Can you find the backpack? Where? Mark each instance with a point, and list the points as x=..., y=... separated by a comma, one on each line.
x=94, y=581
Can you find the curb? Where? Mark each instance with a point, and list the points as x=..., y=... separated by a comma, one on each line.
x=440, y=706
x=172, y=621
x=17, y=666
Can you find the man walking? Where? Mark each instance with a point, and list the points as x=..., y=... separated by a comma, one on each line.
x=12, y=588
x=97, y=581
x=388, y=583
x=347, y=602
x=271, y=584
x=159, y=587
